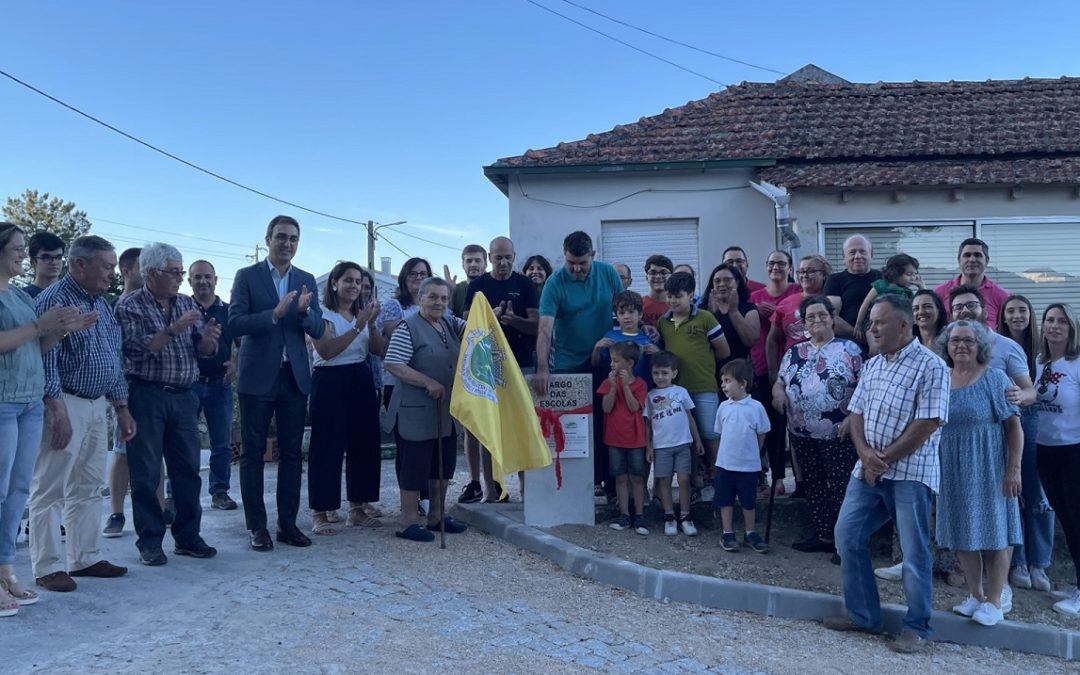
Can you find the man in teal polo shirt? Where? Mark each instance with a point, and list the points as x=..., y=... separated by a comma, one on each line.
x=575, y=308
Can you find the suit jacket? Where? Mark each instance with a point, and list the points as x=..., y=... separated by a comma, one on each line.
x=251, y=309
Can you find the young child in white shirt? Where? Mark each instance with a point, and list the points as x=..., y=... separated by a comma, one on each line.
x=669, y=433
x=742, y=424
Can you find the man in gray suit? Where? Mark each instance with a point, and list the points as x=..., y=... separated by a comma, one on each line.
x=273, y=305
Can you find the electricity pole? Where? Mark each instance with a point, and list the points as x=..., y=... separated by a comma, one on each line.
x=372, y=229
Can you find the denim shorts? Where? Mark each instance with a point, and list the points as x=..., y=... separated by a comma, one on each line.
x=729, y=484
x=624, y=461
x=705, y=405
x=670, y=461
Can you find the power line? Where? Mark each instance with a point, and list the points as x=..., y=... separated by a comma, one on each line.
x=175, y=157
x=452, y=248
x=623, y=43
x=203, y=251
x=383, y=237
x=674, y=41
x=177, y=234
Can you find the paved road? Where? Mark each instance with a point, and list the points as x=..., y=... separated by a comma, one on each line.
x=364, y=601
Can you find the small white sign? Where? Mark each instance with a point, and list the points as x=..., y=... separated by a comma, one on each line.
x=577, y=435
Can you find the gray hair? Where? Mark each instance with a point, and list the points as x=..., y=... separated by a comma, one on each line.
x=900, y=304
x=89, y=246
x=156, y=256
x=859, y=237
x=432, y=281
x=983, y=338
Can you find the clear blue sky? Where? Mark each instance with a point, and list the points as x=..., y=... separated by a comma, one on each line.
x=388, y=110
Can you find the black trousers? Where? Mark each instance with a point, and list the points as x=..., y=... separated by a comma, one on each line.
x=388, y=391
x=288, y=406
x=776, y=440
x=166, y=421
x=344, y=424
x=1059, y=471
x=826, y=466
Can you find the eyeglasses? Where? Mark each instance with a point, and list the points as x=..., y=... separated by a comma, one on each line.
x=969, y=306
x=418, y=275
x=49, y=258
x=175, y=274
x=962, y=341
x=736, y=261
x=19, y=249
x=814, y=318
x=658, y=274
x=808, y=273
x=776, y=263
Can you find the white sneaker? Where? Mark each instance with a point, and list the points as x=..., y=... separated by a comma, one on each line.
x=1069, y=606
x=1006, y=599
x=688, y=527
x=1020, y=577
x=987, y=615
x=670, y=527
x=894, y=573
x=967, y=607
x=1039, y=580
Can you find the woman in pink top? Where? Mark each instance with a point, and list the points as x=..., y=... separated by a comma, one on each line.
x=787, y=325
x=778, y=286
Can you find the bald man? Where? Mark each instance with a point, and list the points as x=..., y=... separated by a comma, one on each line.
x=512, y=296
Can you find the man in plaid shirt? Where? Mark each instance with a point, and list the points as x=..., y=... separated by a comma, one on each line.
x=162, y=333
x=897, y=410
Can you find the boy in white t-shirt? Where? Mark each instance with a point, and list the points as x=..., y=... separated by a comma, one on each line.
x=742, y=424
x=669, y=432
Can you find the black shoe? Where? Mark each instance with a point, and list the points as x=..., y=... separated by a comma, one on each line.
x=260, y=540
x=814, y=545
x=835, y=559
x=292, y=536
x=153, y=557
x=415, y=533
x=196, y=549
x=452, y=526
x=169, y=512
x=754, y=541
x=222, y=501
x=472, y=493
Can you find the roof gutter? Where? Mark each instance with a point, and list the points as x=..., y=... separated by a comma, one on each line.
x=785, y=224
x=499, y=175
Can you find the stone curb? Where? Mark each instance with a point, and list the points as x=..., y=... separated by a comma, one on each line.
x=743, y=596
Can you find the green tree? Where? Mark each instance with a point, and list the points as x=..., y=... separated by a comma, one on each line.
x=37, y=212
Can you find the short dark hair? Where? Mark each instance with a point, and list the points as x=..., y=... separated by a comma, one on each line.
x=45, y=241
x=973, y=241
x=474, y=248
x=404, y=297
x=817, y=299
x=664, y=360
x=279, y=220
x=739, y=370
x=577, y=243
x=626, y=350
x=964, y=289
x=90, y=245
x=539, y=260
x=898, y=303
x=729, y=249
x=680, y=282
x=628, y=300
x=200, y=260
x=660, y=261
x=129, y=259
x=896, y=265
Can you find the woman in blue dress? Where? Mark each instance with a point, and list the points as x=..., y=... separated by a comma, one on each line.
x=978, y=516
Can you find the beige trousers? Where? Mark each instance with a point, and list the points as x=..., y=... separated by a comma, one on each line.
x=65, y=488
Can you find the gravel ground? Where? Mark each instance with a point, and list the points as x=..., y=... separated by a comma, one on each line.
x=364, y=601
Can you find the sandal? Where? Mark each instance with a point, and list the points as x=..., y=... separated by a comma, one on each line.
x=333, y=517
x=27, y=597
x=358, y=517
x=321, y=525
x=415, y=532
x=372, y=511
x=9, y=606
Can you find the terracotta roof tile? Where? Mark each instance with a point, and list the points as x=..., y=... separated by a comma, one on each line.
x=1043, y=170
x=863, y=126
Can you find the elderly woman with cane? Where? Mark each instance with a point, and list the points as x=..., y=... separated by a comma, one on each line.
x=422, y=355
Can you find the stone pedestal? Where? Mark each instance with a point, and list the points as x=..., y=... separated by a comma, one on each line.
x=547, y=505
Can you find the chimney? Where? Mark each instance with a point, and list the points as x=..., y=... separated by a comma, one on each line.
x=384, y=265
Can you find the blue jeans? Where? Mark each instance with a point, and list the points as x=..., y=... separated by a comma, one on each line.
x=1035, y=512
x=216, y=405
x=865, y=509
x=20, y=437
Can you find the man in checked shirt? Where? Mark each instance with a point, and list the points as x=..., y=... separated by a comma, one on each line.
x=83, y=376
x=162, y=333
x=897, y=410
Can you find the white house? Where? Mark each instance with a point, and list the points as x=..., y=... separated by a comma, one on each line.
x=385, y=282
x=916, y=166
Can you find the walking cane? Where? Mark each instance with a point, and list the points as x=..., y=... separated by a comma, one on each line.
x=768, y=514
x=442, y=492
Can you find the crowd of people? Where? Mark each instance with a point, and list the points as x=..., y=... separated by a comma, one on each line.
x=950, y=412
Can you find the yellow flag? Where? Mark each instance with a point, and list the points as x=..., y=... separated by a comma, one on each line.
x=491, y=397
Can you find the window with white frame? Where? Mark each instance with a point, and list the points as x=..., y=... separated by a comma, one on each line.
x=934, y=244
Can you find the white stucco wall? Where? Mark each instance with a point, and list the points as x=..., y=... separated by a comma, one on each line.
x=727, y=210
